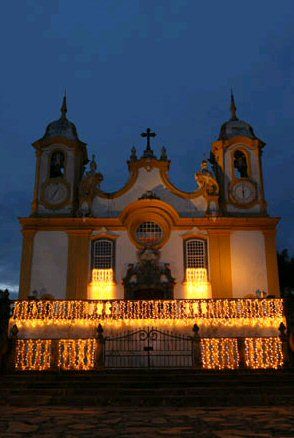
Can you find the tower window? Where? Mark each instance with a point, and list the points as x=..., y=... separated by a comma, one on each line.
x=57, y=164
x=195, y=253
x=102, y=254
x=240, y=164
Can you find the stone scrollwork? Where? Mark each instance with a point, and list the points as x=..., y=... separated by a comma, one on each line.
x=148, y=278
x=87, y=189
x=209, y=187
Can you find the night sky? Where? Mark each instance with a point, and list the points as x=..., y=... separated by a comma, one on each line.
x=132, y=64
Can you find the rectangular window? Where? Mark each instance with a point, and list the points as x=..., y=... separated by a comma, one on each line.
x=102, y=254
x=195, y=253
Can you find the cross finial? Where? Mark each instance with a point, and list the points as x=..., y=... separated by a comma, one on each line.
x=63, y=108
x=148, y=134
x=233, y=107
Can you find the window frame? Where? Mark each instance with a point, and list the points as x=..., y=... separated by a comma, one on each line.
x=206, y=255
x=95, y=242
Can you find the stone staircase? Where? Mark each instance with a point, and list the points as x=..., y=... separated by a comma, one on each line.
x=143, y=387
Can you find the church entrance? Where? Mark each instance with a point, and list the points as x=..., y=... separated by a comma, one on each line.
x=149, y=348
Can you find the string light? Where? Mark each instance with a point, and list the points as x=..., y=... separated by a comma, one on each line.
x=219, y=353
x=247, y=308
x=102, y=285
x=76, y=354
x=216, y=353
x=263, y=353
x=33, y=354
x=196, y=285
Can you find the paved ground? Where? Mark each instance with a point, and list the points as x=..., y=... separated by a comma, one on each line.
x=147, y=422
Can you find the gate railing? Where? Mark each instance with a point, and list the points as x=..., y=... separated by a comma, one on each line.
x=154, y=348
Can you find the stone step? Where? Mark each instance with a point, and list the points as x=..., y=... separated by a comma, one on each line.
x=153, y=400
x=148, y=388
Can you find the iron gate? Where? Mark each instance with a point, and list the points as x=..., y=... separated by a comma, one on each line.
x=148, y=348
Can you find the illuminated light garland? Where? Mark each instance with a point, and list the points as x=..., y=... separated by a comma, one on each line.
x=196, y=285
x=76, y=354
x=33, y=354
x=216, y=353
x=219, y=354
x=149, y=309
x=102, y=285
x=263, y=353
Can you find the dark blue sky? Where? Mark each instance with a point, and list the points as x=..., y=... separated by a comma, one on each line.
x=130, y=64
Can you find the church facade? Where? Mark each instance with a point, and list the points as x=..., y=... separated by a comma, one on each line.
x=149, y=239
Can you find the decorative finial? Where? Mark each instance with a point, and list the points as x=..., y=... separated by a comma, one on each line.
x=163, y=156
x=64, y=106
x=148, y=134
x=133, y=156
x=233, y=107
x=93, y=165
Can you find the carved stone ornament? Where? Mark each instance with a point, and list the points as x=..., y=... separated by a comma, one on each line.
x=207, y=181
x=149, y=195
x=87, y=189
x=148, y=278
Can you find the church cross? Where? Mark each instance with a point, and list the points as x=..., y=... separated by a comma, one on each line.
x=148, y=134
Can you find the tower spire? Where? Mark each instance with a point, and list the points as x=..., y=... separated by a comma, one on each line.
x=233, y=107
x=63, y=108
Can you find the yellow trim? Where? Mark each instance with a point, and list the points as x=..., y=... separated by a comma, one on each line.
x=271, y=262
x=206, y=223
x=220, y=269
x=35, y=202
x=77, y=265
x=26, y=263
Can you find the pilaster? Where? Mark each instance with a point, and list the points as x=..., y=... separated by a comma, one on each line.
x=271, y=262
x=220, y=263
x=26, y=263
x=78, y=264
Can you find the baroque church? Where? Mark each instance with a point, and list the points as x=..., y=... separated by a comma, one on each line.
x=149, y=239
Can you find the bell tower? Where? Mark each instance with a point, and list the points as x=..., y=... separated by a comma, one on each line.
x=61, y=157
x=236, y=157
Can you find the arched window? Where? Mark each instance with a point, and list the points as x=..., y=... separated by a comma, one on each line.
x=102, y=254
x=240, y=164
x=57, y=164
x=195, y=253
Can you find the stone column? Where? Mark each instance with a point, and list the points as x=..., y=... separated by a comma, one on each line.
x=78, y=264
x=26, y=263
x=100, y=343
x=5, y=313
x=196, y=348
x=12, y=344
x=241, y=352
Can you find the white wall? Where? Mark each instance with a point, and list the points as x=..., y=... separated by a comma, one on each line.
x=172, y=253
x=125, y=253
x=149, y=181
x=49, y=264
x=249, y=271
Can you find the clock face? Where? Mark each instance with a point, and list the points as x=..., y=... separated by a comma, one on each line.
x=243, y=192
x=55, y=193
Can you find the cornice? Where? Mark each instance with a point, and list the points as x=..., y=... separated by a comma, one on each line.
x=214, y=224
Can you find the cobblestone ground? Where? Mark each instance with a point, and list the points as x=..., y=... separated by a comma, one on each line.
x=147, y=422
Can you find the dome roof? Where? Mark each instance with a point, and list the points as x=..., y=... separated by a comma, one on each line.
x=62, y=127
x=234, y=126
